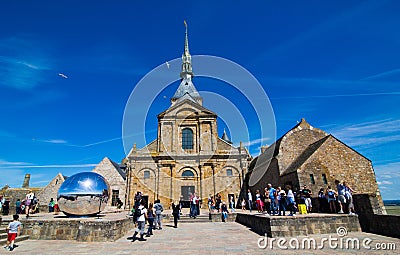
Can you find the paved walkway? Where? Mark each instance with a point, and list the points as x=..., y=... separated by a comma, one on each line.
x=194, y=238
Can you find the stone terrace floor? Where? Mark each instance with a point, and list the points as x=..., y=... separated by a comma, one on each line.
x=196, y=238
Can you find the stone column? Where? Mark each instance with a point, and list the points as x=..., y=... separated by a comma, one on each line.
x=127, y=204
x=201, y=183
x=158, y=180
x=213, y=173
x=170, y=186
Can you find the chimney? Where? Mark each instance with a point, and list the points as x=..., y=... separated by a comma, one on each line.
x=26, y=181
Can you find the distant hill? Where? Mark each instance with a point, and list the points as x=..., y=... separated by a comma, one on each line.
x=391, y=202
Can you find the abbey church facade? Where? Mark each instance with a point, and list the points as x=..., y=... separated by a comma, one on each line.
x=187, y=156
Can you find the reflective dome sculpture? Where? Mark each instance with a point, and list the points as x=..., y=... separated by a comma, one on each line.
x=83, y=194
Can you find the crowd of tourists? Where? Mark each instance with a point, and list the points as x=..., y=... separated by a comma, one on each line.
x=152, y=215
x=279, y=201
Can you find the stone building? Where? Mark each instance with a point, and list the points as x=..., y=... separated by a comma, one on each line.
x=187, y=156
x=308, y=156
x=115, y=175
x=50, y=191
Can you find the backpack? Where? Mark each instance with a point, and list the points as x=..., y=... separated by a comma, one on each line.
x=159, y=208
x=331, y=194
x=137, y=214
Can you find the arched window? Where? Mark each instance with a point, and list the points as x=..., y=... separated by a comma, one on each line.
x=187, y=173
x=229, y=172
x=146, y=174
x=187, y=139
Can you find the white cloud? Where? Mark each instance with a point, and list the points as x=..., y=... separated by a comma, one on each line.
x=23, y=63
x=369, y=134
x=255, y=141
x=12, y=163
x=382, y=74
x=57, y=141
x=385, y=183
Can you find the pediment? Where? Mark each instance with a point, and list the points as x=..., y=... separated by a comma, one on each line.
x=186, y=108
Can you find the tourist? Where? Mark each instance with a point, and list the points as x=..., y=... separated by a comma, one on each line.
x=209, y=202
x=175, y=213
x=212, y=204
x=243, y=205
x=119, y=203
x=331, y=194
x=28, y=202
x=13, y=230
x=224, y=212
x=281, y=201
x=290, y=200
x=322, y=201
x=51, y=205
x=267, y=201
x=150, y=220
x=138, y=198
x=341, y=191
x=2, y=202
x=56, y=208
x=159, y=209
x=272, y=195
x=141, y=213
x=181, y=201
x=259, y=202
x=198, y=201
x=35, y=205
x=218, y=201
x=305, y=195
x=249, y=199
x=193, y=206
x=18, y=206
x=349, y=197
x=232, y=203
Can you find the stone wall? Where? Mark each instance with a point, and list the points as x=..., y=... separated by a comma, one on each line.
x=84, y=230
x=387, y=225
x=298, y=226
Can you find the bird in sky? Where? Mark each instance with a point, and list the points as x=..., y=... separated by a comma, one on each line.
x=167, y=64
x=63, y=75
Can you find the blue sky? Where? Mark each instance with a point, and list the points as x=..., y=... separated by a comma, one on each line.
x=334, y=63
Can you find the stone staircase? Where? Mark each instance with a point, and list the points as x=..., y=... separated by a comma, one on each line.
x=202, y=218
x=3, y=237
x=3, y=233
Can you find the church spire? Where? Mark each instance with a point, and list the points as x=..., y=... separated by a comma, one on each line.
x=186, y=58
x=186, y=89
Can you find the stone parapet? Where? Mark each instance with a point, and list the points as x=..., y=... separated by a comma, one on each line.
x=79, y=229
x=283, y=226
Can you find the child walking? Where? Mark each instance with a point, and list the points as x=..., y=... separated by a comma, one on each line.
x=13, y=230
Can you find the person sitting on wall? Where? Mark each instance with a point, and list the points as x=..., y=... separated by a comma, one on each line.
x=224, y=212
x=119, y=203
